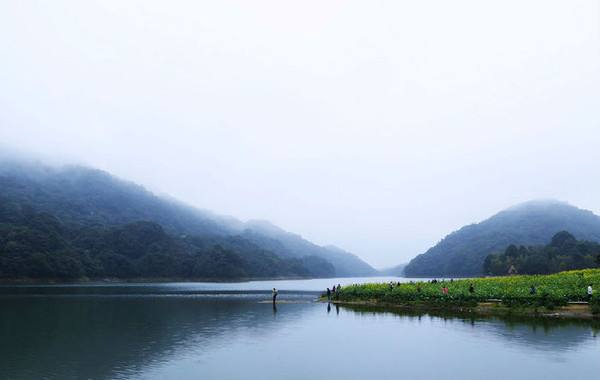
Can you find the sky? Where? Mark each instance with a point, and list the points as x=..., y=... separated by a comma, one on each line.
x=376, y=126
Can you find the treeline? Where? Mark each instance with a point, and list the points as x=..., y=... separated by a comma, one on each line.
x=36, y=245
x=563, y=253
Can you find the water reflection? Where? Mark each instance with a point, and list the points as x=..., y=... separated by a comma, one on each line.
x=537, y=334
x=182, y=336
x=102, y=337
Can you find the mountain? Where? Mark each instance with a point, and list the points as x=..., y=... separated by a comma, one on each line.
x=38, y=246
x=462, y=253
x=84, y=196
x=73, y=221
x=291, y=245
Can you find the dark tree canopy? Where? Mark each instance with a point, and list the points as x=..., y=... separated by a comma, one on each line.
x=563, y=253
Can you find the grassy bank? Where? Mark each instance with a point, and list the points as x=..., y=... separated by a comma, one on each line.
x=552, y=292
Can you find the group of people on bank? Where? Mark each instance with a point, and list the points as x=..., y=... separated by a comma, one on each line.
x=532, y=290
x=333, y=292
x=446, y=291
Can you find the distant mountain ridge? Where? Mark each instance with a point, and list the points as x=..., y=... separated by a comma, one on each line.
x=292, y=245
x=94, y=197
x=93, y=202
x=462, y=253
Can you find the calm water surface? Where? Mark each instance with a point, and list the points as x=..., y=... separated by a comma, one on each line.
x=231, y=331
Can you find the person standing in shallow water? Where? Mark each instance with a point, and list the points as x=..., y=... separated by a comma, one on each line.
x=328, y=294
x=274, y=295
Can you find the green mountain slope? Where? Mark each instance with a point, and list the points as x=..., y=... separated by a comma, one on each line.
x=462, y=253
x=38, y=246
x=291, y=245
x=83, y=196
x=93, y=221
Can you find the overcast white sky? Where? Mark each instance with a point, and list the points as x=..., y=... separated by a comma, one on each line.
x=378, y=126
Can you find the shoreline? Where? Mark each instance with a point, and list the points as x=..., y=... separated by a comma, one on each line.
x=151, y=280
x=483, y=309
x=567, y=294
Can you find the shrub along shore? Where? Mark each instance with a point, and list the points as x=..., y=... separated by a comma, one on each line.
x=558, y=295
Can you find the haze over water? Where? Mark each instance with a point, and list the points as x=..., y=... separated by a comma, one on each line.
x=231, y=331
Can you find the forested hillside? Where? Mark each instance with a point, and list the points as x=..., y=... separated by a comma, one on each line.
x=563, y=253
x=76, y=222
x=291, y=245
x=462, y=253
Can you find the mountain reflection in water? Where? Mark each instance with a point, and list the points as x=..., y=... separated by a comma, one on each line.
x=240, y=336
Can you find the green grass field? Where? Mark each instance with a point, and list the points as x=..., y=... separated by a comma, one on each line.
x=551, y=290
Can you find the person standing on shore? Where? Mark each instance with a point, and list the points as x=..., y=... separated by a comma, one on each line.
x=274, y=295
x=590, y=292
x=328, y=294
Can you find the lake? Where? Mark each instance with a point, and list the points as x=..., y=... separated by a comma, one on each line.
x=231, y=331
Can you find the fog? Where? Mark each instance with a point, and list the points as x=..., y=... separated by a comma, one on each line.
x=377, y=126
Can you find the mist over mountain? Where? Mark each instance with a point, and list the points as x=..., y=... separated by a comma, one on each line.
x=74, y=221
x=397, y=270
x=463, y=252
x=292, y=245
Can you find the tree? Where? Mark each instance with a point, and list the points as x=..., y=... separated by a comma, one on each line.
x=561, y=239
x=562, y=253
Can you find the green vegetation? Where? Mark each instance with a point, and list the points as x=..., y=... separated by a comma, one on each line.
x=37, y=246
x=72, y=223
x=462, y=253
x=550, y=290
x=563, y=253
